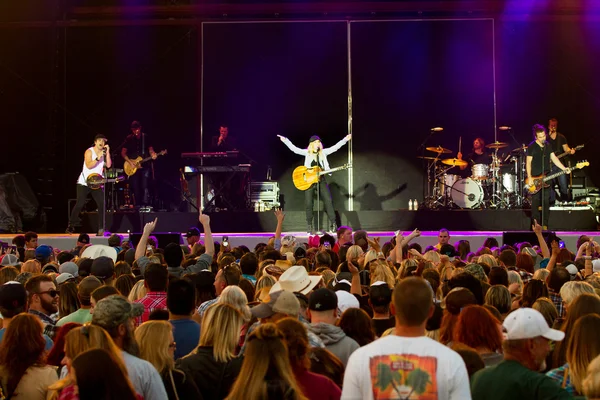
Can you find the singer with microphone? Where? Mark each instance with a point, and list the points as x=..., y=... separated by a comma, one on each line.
x=95, y=159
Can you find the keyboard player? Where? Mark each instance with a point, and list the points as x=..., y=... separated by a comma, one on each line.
x=223, y=142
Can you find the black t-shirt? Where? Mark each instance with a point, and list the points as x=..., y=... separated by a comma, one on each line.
x=228, y=144
x=540, y=155
x=133, y=145
x=557, y=143
x=382, y=325
x=475, y=158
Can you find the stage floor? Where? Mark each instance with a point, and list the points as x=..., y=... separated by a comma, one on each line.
x=425, y=220
x=476, y=239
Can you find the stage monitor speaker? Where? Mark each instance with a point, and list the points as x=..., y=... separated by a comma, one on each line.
x=511, y=238
x=164, y=238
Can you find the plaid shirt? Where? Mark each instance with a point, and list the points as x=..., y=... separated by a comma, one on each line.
x=49, y=323
x=558, y=302
x=204, y=306
x=558, y=374
x=151, y=301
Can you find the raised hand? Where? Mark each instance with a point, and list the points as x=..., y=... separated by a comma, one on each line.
x=283, y=138
x=352, y=268
x=280, y=215
x=349, y=136
x=555, y=248
x=416, y=233
x=150, y=226
x=537, y=228
x=203, y=218
x=374, y=243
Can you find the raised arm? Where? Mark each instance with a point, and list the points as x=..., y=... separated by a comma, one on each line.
x=205, y=259
x=537, y=229
x=280, y=217
x=327, y=151
x=140, y=250
x=290, y=145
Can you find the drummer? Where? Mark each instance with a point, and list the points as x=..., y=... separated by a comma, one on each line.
x=479, y=155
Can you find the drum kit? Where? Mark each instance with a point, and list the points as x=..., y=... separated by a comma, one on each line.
x=498, y=185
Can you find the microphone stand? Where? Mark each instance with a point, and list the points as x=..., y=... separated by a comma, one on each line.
x=102, y=217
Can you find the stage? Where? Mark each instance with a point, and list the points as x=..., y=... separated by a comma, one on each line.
x=381, y=221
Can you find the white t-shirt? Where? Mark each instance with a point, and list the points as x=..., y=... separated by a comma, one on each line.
x=395, y=367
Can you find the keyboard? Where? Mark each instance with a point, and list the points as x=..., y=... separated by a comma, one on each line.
x=220, y=154
x=204, y=169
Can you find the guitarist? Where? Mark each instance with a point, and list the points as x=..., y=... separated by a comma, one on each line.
x=94, y=160
x=559, y=145
x=316, y=156
x=539, y=156
x=135, y=146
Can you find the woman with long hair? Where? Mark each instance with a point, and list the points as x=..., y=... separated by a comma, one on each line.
x=125, y=283
x=157, y=346
x=498, y=296
x=456, y=299
x=266, y=372
x=57, y=353
x=23, y=369
x=314, y=386
x=547, y=308
x=68, y=302
x=77, y=341
x=583, y=305
x=213, y=366
x=533, y=290
x=357, y=324
x=479, y=329
x=582, y=347
x=97, y=375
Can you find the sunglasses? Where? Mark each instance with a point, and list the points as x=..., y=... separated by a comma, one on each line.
x=52, y=293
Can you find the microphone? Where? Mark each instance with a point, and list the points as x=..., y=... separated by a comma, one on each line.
x=437, y=129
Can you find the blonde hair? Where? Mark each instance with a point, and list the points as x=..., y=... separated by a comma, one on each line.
x=381, y=272
x=541, y=274
x=487, y=259
x=582, y=348
x=409, y=262
x=266, y=354
x=32, y=266
x=234, y=296
x=262, y=294
x=137, y=291
x=370, y=256
x=82, y=339
x=514, y=277
x=432, y=256
x=154, y=338
x=327, y=275
x=591, y=383
x=354, y=252
x=573, y=289
x=266, y=281
x=221, y=326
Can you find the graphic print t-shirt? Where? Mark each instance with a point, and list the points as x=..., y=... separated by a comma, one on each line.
x=397, y=367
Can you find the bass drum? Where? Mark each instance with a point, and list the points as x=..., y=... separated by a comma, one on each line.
x=467, y=193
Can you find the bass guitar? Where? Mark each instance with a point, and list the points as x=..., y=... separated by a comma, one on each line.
x=97, y=181
x=305, y=177
x=129, y=170
x=566, y=153
x=539, y=181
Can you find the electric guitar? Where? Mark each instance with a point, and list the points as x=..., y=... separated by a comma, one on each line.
x=129, y=170
x=97, y=181
x=305, y=177
x=540, y=181
x=566, y=153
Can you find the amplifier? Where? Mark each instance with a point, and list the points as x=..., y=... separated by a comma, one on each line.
x=266, y=193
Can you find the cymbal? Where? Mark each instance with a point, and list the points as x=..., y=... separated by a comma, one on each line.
x=427, y=158
x=455, y=162
x=519, y=149
x=497, y=145
x=438, y=149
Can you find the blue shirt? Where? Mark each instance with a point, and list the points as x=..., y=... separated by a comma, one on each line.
x=187, y=335
x=49, y=342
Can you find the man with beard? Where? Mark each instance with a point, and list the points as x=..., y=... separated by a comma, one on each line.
x=525, y=350
x=43, y=302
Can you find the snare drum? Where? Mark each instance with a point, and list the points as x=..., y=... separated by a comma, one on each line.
x=480, y=172
x=467, y=193
x=509, y=183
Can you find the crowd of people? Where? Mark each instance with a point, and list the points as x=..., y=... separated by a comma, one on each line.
x=336, y=317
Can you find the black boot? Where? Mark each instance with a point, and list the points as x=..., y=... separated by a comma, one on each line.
x=70, y=229
x=310, y=229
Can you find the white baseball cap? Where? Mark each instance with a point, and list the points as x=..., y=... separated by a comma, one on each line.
x=527, y=323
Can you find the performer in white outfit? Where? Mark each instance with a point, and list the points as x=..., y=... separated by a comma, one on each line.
x=95, y=159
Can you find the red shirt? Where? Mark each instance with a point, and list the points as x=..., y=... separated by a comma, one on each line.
x=317, y=387
x=151, y=301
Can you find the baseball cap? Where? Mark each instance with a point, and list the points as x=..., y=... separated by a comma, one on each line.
x=50, y=267
x=12, y=295
x=527, y=323
x=100, y=250
x=448, y=250
x=572, y=270
x=193, y=231
x=84, y=238
x=345, y=301
x=380, y=294
x=70, y=268
x=277, y=302
x=103, y=268
x=313, y=138
x=322, y=300
x=114, y=310
x=10, y=260
x=288, y=241
x=458, y=298
x=43, y=251
x=62, y=278
x=85, y=266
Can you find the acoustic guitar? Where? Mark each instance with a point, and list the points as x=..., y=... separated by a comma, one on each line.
x=305, y=177
x=97, y=181
x=129, y=170
x=539, y=181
